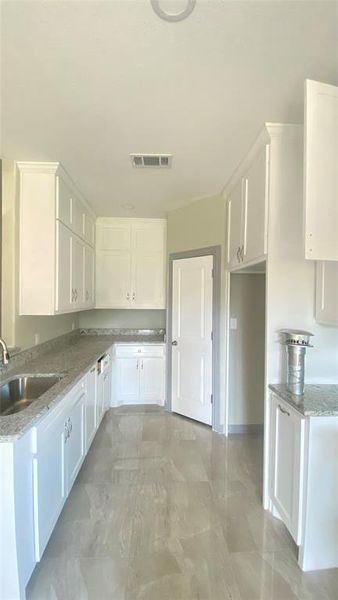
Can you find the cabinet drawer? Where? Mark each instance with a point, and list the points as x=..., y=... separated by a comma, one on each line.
x=130, y=350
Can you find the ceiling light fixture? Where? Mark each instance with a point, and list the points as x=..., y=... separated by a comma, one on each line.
x=173, y=16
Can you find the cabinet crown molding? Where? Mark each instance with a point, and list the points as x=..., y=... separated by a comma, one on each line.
x=268, y=131
x=38, y=167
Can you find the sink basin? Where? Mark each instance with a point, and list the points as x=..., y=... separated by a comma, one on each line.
x=21, y=391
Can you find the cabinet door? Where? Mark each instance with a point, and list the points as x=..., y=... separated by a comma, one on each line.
x=287, y=436
x=48, y=479
x=77, y=216
x=63, y=288
x=113, y=275
x=235, y=224
x=113, y=234
x=148, y=265
x=78, y=249
x=107, y=390
x=321, y=171
x=256, y=207
x=63, y=202
x=327, y=292
x=148, y=285
x=90, y=412
x=127, y=384
x=99, y=400
x=74, y=446
x=89, y=229
x=89, y=259
x=152, y=380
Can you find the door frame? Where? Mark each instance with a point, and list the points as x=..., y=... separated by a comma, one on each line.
x=216, y=253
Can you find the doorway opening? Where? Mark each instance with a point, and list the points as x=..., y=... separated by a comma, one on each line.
x=193, y=358
x=246, y=356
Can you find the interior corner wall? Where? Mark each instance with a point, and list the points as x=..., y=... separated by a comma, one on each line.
x=247, y=349
x=21, y=331
x=199, y=225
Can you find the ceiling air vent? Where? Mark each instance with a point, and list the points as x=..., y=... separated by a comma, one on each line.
x=157, y=161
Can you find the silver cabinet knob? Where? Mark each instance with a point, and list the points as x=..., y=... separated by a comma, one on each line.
x=174, y=343
x=134, y=295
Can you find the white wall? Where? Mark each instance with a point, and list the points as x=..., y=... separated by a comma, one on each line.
x=246, y=349
x=138, y=319
x=18, y=330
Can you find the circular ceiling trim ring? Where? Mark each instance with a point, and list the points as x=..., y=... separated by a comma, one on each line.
x=173, y=16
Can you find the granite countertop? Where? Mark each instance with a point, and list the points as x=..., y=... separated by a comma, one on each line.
x=72, y=360
x=318, y=400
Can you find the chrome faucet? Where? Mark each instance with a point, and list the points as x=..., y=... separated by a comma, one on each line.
x=4, y=352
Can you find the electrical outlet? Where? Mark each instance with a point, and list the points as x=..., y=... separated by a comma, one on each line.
x=36, y=339
x=233, y=323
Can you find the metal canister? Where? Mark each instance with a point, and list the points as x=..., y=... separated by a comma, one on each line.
x=296, y=342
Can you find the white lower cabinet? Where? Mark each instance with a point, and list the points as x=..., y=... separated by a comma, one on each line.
x=59, y=452
x=138, y=374
x=48, y=477
x=302, y=481
x=286, y=453
x=74, y=437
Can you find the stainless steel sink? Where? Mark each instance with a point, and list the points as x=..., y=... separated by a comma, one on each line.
x=19, y=392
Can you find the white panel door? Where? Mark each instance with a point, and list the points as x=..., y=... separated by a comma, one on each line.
x=77, y=272
x=256, y=207
x=235, y=224
x=152, y=380
x=321, y=171
x=327, y=292
x=191, y=335
x=63, y=290
x=113, y=279
x=89, y=258
x=128, y=380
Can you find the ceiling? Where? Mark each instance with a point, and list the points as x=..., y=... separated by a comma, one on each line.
x=87, y=83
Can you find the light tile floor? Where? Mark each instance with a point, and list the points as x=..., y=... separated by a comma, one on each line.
x=164, y=509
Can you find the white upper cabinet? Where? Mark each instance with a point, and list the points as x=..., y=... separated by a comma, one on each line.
x=247, y=210
x=321, y=171
x=130, y=263
x=235, y=223
x=256, y=207
x=56, y=242
x=327, y=292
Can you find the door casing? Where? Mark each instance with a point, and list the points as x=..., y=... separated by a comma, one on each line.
x=216, y=253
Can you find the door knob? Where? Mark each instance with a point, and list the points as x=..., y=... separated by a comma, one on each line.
x=174, y=343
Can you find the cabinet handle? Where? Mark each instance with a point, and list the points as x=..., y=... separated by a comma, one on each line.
x=128, y=296
x=87, y=295
x=242, y=253
x=75, y=294
x=141, y=364
x=137, y=364
x=285, y=412
x=134, y=295
x=238, y=251
x=92, y=370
